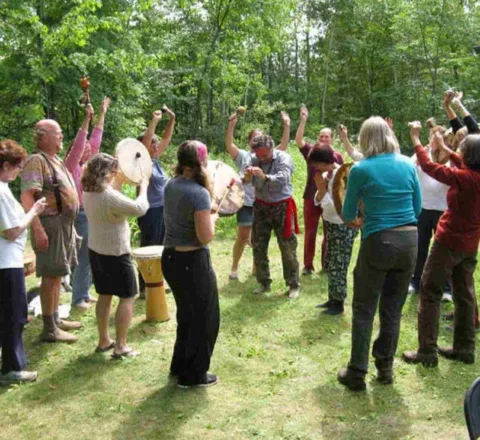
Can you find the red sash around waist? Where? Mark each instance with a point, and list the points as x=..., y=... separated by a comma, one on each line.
x=291, y=213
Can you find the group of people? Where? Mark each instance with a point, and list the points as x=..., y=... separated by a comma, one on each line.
x=78, y=218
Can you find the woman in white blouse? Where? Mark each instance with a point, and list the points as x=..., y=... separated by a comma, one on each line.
x=13, y=236
x=109, y=249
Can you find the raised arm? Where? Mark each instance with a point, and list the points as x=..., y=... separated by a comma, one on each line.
x=232, y=149
x=147, y=138
x=442, y=173
x=97, y=132
x=469, y=120
x=168, y=133
x=349, y=148
x=301, y=127
x=286, y=132
x=76, y=152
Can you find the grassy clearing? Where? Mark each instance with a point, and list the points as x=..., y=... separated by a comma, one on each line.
x=277, y=361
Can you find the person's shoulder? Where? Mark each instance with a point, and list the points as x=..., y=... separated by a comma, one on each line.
x=34, y=159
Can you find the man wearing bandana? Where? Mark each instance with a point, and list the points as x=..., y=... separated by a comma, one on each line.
x=271, y=174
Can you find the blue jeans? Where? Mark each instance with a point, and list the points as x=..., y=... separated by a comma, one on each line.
x=152, y=233
x=82, y=276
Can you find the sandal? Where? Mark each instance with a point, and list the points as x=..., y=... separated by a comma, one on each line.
x=105, y=349
x=126, y=354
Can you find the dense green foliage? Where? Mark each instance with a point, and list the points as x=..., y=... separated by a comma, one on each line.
x=345, y=59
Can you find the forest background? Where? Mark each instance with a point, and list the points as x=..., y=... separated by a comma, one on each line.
x=344, y=59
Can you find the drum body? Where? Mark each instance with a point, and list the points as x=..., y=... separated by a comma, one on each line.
x=221, y=175
x=149, y=263
x=339, y=189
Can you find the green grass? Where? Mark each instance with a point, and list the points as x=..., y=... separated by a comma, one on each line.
x=276, y=360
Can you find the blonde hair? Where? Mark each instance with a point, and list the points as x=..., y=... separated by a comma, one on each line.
x=376, y=138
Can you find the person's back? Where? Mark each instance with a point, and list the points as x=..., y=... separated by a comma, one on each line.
x=388, y=186
x=183, y=197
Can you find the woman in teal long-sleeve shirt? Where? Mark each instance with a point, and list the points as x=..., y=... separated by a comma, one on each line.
x=387, y=184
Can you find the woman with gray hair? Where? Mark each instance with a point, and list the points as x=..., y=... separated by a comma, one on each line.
x=387, y=184
x=109, y=248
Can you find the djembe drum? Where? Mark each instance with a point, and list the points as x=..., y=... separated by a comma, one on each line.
x=149, y=263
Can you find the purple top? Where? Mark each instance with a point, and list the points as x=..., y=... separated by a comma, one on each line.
x=310, y=188
x=72, y=161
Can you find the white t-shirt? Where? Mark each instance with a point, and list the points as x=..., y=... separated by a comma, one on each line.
x=329, y=213
x=11, y=216
x=434, y=193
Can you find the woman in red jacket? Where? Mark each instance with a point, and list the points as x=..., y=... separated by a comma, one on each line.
x=453, y=253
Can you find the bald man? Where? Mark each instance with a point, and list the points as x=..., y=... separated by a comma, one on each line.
x=312, y=213
x=53, y=234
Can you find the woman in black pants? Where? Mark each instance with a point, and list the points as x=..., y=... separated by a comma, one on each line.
x=187, y=266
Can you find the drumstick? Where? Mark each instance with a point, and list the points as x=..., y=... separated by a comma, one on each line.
x=229, y=187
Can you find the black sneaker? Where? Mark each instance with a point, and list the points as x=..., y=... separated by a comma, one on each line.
x=335, y=308
x=324, y=305
x=207, y=381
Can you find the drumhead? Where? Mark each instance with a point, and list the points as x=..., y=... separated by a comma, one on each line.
x=134, y=160
x=148, y=252
x=221, y=176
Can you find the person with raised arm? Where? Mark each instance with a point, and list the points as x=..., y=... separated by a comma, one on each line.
x=80, y=152
x=312, y=213
x=453, y=253
x=241, y=159
x=14, y=223
x=152, y=224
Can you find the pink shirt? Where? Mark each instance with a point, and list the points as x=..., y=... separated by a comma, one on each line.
x=72, y=161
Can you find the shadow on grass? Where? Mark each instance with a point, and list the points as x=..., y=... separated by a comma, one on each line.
x=381, y=413
x=80, y=374
x=163, y=413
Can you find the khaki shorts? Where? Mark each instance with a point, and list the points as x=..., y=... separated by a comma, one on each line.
x=61, y=256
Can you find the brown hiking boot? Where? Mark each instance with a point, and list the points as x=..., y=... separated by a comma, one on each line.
x=426, y=359
x=353, y=380
x=68, y=325
x=461, y=356
x=58, y=335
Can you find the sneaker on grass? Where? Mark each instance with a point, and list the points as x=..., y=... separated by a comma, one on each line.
x=18, y=377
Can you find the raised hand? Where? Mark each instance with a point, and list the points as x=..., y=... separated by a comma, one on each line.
x=285, y=118
x=169, y=112
x=303, y=113
x=389, y=122
x=342, y=132
x=105, y=104
x=233, y=118
x=415, y=128
x=89, y=112
x=157, y=115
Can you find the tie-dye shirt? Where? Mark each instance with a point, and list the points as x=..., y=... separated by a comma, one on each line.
x=36, y=175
